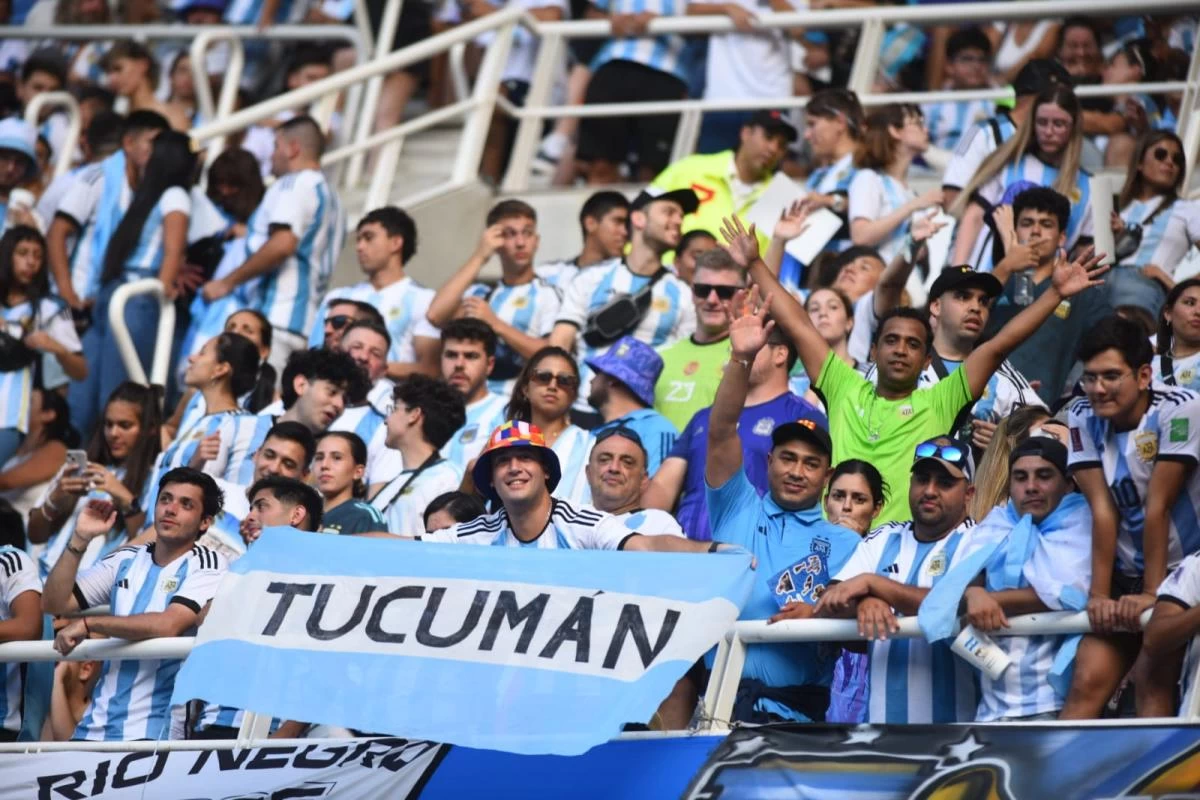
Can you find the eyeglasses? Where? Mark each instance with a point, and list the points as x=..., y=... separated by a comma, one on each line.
x=947, y=452
x=339, y=321
x=1161, y=154
x=703, y=290
x=1104, y=378
x=543, y=377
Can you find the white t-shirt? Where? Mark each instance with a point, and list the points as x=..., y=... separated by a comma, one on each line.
x=742, y=65
x=403, y=305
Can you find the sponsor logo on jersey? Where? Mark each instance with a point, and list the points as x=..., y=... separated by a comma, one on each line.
x=764, y=426
x=1179, y=430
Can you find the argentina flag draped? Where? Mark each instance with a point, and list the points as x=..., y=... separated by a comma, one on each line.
x=523, y=650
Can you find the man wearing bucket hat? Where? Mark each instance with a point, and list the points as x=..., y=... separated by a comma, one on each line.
x=517, y=471
x=623, y=392
x=18, y=163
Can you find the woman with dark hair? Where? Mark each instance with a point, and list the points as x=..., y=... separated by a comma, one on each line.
x=27, y=472
x=1045, y=150
x=543, y=394
x=120, y=455
x=832, y=314
x=36, y=322
x=856, y=495
x=181, y=96
x=149, y=242
x=880, y=204
x=338, y=468
x=1149, y=246
x=219, y=442
x=1177, y=362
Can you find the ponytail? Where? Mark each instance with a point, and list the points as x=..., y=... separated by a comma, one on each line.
x=263, y=393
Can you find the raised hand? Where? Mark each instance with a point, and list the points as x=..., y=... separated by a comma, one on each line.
x=1019, y=257
x=924, y=227
x=749, y=330
x=490, y=241
x=793, y=221
x=741, y=244
x=97, y=518
x=1083, y=273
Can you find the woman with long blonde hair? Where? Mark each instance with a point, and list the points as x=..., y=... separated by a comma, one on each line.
x=1045, y=150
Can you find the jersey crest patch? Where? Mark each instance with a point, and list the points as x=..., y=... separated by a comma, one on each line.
x=764, y=426
x=1146, y=443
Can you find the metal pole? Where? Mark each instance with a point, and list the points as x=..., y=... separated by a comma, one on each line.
x=33, y=113
x=163, y=340
x=487, y=89
x=370, y=104
x=529, y=129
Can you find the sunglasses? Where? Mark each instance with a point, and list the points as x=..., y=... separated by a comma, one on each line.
x=339, y=321
x=1161, y=154
x=947, y=452
x=703, y=290
x=543, y=377
x=622, y=431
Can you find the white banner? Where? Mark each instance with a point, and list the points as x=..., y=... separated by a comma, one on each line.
x=353, y=769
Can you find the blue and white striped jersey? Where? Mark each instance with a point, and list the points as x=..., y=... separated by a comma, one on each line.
x=483, y=417
x=196, y=409
x=306, y=203
x=911, y=680
x=947, y=122
x=979, y=142
x=403, y=501
x=1031, y=168
x=1153, y=249
x=80, y=203
x=403, y=305
x=573, y=446
x=833, y=179
x=570, y=527
x=16, y=387
x=876, y=194
x=532, y=308
x=383, y=463
x=247, y=12
x=238, y=431
x=132, y=699
x=1169, y=431
x=672, y=315
x=1182, y=587
x=17, y=576
x=146, y=259
x=663, y=53
x=1185, y=371
x=96, y=549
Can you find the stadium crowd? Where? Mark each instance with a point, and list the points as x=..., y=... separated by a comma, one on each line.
x=1015, y=432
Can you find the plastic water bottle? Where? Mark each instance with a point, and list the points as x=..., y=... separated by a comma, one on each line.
x=1023, y=288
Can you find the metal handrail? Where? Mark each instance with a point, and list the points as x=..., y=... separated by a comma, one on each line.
x=33, y=113
x=162, y=341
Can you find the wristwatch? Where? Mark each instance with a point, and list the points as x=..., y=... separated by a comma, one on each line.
x=131, y=510
x=839, y=203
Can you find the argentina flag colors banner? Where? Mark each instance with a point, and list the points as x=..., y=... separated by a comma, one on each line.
x=514, y=649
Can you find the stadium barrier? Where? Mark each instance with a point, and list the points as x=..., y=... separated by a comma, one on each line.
x=67, y=102
x=717, y=701
x=164, y=336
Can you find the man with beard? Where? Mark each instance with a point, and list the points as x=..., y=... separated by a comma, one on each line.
x=623, y=392
x=655, y=218
x=468, y=356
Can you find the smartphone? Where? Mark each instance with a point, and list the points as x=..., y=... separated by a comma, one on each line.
x=77, y=460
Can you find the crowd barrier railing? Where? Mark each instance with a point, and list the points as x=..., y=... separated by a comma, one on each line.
x=67, y=102
x=163, y=339
x=729, y=661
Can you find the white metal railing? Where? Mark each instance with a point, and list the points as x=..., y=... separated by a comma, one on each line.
x=718, y=699
x=67, y=101
x=871, y=23
x=162, y=341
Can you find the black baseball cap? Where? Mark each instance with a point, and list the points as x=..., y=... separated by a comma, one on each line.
x=773, y=121
x=804, y=430
x=962, y=275
x=1040, y=74
x=1045, y=447
x=686, y=198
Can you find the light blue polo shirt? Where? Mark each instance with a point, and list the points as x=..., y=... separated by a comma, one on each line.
x=656, y=432
x=780, y=540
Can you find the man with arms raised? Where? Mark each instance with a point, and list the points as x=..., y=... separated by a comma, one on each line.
x=1134, y=447
x=386, y=241
x=882, y=424
x=797, y=550
x=153, y=590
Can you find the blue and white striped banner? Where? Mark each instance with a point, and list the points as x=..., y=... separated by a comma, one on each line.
x=523, y=650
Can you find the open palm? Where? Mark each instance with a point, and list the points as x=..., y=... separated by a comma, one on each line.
x=749, y=331
x=1071, y=278
x=741, y=243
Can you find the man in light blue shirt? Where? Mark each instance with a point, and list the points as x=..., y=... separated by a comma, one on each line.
x=623, y=392
x=797, y=550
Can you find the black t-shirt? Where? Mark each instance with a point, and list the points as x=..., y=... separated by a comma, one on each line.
x=352, y=516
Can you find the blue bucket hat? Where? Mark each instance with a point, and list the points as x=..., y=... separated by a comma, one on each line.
x=634, y=364
x=20, y=137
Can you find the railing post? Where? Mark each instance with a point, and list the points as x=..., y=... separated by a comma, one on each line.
x=229, y=83
x=529, y=128
x=383, y=175
x=731, y=676
x=715, y=676
x=687, y=133
x=66, y=154
x=162, y=341
x=866, y=57
x=370, y=103
x=487, y=88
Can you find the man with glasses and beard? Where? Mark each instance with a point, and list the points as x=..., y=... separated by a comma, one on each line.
x=1134, y=447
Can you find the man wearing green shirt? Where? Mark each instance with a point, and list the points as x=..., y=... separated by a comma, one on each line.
x=882, y=424
x=692, y=367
